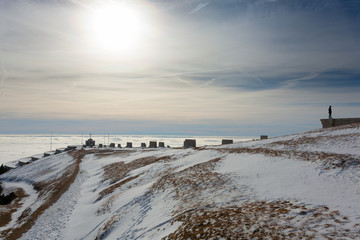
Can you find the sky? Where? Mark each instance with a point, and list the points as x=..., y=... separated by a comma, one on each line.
x=191, y=67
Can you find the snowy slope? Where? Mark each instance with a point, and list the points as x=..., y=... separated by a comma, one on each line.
x=298, y=186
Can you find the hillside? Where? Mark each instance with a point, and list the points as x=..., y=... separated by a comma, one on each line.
x=298, y=186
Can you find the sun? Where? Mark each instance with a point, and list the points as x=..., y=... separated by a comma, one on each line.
x=116, y=28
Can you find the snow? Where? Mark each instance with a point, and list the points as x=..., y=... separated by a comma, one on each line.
x=26, y=202
x=42, y=169
x=148, y=200
x=291, y=179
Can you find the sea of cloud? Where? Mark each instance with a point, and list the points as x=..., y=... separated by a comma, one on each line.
x=14, y=147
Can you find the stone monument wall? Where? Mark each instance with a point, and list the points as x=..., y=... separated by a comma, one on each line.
x=334, y=122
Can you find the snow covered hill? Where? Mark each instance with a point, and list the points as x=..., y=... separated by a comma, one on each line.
x=298, y=186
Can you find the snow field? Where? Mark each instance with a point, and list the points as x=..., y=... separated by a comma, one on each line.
x=244, y=190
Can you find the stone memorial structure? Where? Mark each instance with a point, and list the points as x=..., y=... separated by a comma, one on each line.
x=189, y=143
x=69, y=148
x=47, y=154
x=334, y=122
x=90, y=142
x=58, y=151
x=153, y=144
x=227, y=141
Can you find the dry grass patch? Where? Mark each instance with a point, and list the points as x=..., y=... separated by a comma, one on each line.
x=262, y=220
x=117, y=171
x=330, y=160
x=306, y=140
x=106, y=228
x=111, y=188
x=6, y=211
x=193, y=185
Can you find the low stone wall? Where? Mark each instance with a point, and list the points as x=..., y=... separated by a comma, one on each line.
x=333, y=122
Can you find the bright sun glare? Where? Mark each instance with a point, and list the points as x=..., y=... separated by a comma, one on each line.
x=116, y=28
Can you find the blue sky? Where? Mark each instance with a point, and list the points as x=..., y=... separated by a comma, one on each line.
x=215, y=67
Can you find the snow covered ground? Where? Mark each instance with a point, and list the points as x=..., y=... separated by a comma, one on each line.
x=298, y=186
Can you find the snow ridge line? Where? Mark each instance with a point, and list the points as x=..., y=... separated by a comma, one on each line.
x=17, y=180
x=128, y=205
x=64, y=185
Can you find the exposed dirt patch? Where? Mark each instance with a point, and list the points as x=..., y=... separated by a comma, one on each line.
x=104, y=231
x=118, y=170
x=111, y=189
x=49, y=192
x=115, y=172
x=262, y=220
x=7, y=211
x=192, y=186
x=187, y=184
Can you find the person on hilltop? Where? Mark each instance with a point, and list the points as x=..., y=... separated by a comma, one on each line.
x=330, y=111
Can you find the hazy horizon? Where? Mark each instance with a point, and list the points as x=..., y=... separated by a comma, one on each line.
x=17, y=146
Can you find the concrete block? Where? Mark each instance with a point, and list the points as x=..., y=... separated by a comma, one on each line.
x=227, y=141
x=153, y=144
x=47, y=154
x=143, y=145
x=57, y=151
x=161, y=144
x=129, y=144
x=189, y=143
x=262, y=137
x=69, y=148
x=334, y=122
x=22, y=163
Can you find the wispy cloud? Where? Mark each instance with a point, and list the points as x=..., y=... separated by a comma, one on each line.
x=2, y=80
x=231, y=61
x=198, y=7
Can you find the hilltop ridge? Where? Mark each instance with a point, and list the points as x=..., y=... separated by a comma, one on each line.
x=304, y=185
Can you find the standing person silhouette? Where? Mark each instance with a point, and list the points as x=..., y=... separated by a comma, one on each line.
x=330, y=111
